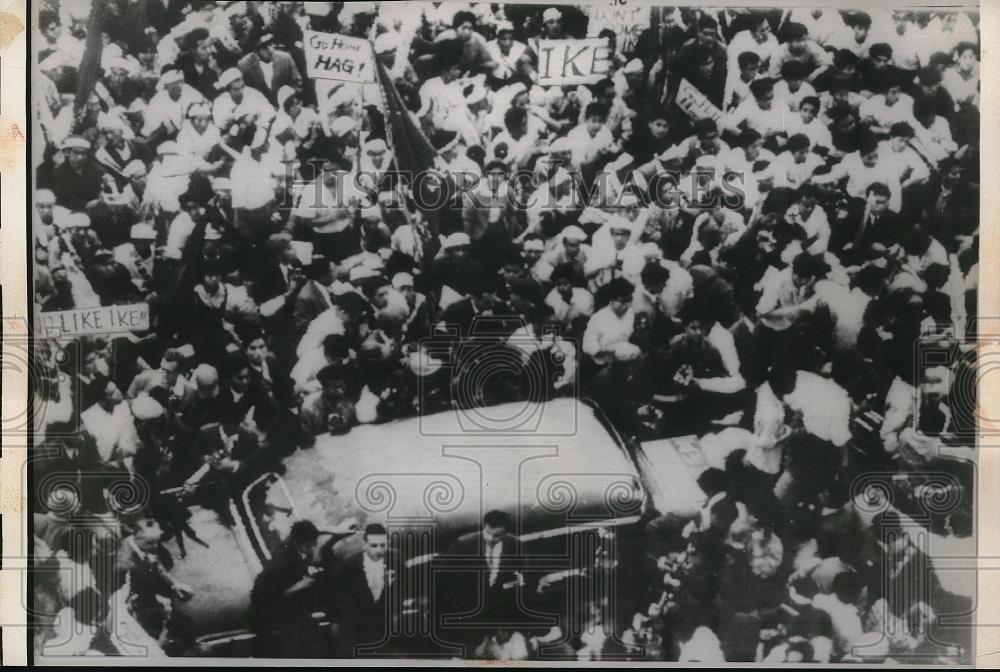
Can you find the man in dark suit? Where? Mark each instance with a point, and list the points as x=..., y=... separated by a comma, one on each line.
x=875, y=230
x=365, y=592
x=284, y=597
x=268, y=69
x=201, y=71
x=314, y=297
x=488, y=569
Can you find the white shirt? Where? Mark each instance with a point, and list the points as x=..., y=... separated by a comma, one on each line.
x=253, y=185
x=375, y=575
x=722, y=340
x=493, y=553
x=745, y=41
x=225, y=109
x=585, y=147
x=267, y=70
x=789, y=98
x=180, y=230
x=108, y=428
x=859, y=177
x=762, y=121
x=908, y=164
x=606, y=330
x=825, y=407
x=162, y=108
x=887, y=115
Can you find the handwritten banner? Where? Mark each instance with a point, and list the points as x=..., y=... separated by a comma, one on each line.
x=347, y=59
x=573, y=61
x=82, y=321
x=695, y=104
x=627, y=23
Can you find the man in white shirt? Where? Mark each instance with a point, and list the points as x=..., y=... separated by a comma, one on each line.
x=824, y=405
x=109, y=422
x=165, y=112
x=592, y=138
x=863, y=168
x=912, y=171
x=807, y=123
x=612, y=324
x=568, y=299
x=759, y=113
x=238, y=102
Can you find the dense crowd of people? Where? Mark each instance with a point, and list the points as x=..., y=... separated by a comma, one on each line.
x=762, y=269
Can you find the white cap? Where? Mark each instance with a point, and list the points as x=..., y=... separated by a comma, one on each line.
x=171, y=76
x=574, y=233
x=138, y=105
x=227, y=78
x=550, y=14
x=504, y=26
x=362, y=272
x=134, y=168
x=340, y=96
x=376, y=146
x=112, y=122
x=629, y=200
x=633, y=66
x=211, y=233
x=144, y=407
x=458, y=239
x=73, y=220
x=388, y=41
x=651, y=251
x=199, y=110
x=533, y=244
x=627, y=352
x=142, y=231
x=75, y=142
x=401, y=280
x=44, y=197
x=168, y=147
x=343, y=125
x=119, y=63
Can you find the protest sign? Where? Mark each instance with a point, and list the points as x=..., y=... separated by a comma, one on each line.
x=347, y=59
x=102, y=319
x=573, y=61
x=695, y=104
x=627, y=23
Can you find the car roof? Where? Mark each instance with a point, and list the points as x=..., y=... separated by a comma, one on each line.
x=565, y=468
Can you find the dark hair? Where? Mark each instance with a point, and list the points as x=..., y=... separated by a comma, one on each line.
x=967, y=46
x=703, y=127
x=847, y=586
x=596, y=110
x=797, y=142
x=236, y=362
x=759, y=87
x=330, y=373
x=514, y=117
x=917, y=241
x=901, y=129
x=496, y=518
x=879, y=189
x=336, y=346
x=463, y=17
x=843, y=58
x=654, y=273
x=795, y=31
x=929, y=75
x=617, y=288
x=566, y=271
x=781, y=378
x=747, y=137
x=747, y=59
x=880, y=49
x=47, y=18
x=445, y=60
x=794, y=70
x=707, y=22
x=862, y=19
x=810, y=266
x=374, y=528
x=303, y=532
x=867, y=145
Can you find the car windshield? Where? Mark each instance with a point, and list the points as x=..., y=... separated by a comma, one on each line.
x=271, y=510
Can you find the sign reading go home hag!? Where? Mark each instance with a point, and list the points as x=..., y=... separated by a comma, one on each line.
x=347, y=59
x=573, y=61
x=104, y=319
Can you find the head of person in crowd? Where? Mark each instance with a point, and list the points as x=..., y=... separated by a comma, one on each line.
x=147, y=533
x=796, y=35
x=763, y=93
x=966, y=56
x=457, y=245
x=929, y=79
x=552, y=22
x=172, y=81
x=76, y=149
x=654, y=277
x=878, y=195
x=303, y=538
x=496, y=525
x=206, y=381
x=448, y=66
x=532, y=249
x=564, y=278
x=376, y=539
x=617, y=294
x=860, y=23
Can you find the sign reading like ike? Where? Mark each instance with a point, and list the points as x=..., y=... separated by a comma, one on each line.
x=348, y=59
x=573, y=61
x=104, y=319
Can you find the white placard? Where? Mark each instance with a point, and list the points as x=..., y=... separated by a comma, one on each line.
x=573, y=61
x=347, y=59
x=99, y=320
x=695, y=104
x=626, y=22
